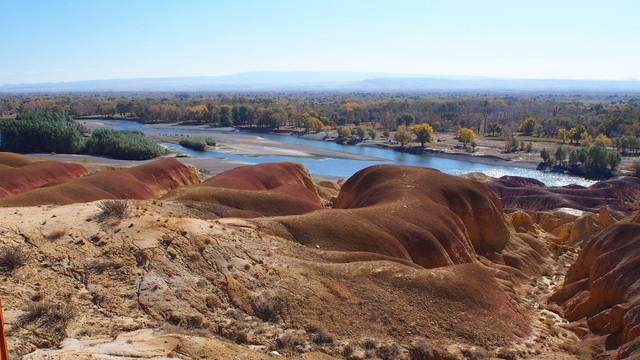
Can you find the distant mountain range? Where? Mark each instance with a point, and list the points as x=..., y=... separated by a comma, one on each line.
x=327, y=81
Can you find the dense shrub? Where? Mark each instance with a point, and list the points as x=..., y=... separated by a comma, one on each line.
x=322, y=337
x=268, y=306
x=40, y=131
x=389, y=351
x=123, y=144
x=198, y=143
x=420, y=350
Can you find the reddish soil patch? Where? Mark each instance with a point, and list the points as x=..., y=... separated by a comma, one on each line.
x=620, y=195
x=150, y=180
x=16, y=160
x=415, y=214
x=14, y=180
x=257, y=190
x=603, y=288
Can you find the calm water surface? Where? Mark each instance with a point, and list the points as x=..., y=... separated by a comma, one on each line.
x=346, y=168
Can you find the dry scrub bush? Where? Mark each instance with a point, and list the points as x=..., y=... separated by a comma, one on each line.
x=53, y=317
x=118, y=209
x=11, y=258
x=288, y=341
x=370, y=343
x=269, y=306
x=322, y=337
x=420, y=350
x=389, y=351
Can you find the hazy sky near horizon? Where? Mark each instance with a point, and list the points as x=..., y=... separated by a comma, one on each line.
x=52, y=41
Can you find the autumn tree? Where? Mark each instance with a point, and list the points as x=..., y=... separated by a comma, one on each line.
x=528, y=125
x=423, y=133
x=345, y=132
x=466, y=136
x=402, y=136
x=563, y=135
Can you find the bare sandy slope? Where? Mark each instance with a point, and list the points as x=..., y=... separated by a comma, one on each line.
x=170, y=281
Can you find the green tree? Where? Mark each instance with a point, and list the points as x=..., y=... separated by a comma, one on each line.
x=423, y=133
x=597, y=156
x=545, y=155
x=360, y=132
x=372, y=134
x=402, y=136
x=386, y=134
x=560, y=155
x=537, y=129
x=41, y=132
x=466, y=136
x=225, y=115
x=635, y=166
x=495, y=128
x=405, y=119
x=614, y=159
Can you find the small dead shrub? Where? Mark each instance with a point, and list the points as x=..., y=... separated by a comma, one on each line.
x=348, y=350
x=11, y=258
x=55, y=235
x=475, y=354
x=322, y=337
x=420, y=350
x=118, y=209
x=288, y=341
x=52, y=317
x=389, y=351
x=370, y=343
x=268, y=306
x=98, y=266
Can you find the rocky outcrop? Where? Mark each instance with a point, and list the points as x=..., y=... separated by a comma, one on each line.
x=603, y=288
x=146, y=181
x=272, y=189
x=415, y=214
x=571, y=226
x=620, y=195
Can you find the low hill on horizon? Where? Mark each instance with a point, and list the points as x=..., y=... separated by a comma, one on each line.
x=327, y=81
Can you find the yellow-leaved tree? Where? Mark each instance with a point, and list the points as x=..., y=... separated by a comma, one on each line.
x=423, y=133
x=466, y=136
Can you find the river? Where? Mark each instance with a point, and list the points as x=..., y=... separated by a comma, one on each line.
x=346, y=168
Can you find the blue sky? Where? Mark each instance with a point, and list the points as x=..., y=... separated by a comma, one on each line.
x=57, y=40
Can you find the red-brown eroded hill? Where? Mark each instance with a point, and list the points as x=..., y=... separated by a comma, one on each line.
x=416, y=214
x=603, y=287
x=14, y=180
x=282, y=188
x=620, y=195
x=146, y=181
x=16, y=160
